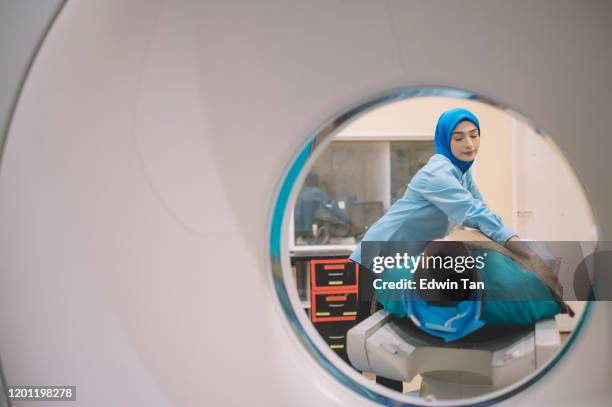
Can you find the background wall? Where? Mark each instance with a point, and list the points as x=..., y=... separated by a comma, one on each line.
x=551, y=202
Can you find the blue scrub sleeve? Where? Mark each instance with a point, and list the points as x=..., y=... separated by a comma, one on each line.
x=471, y=186
x=442, y=188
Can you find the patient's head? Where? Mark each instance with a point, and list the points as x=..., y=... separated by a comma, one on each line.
x=312, y=179
x=446, y=261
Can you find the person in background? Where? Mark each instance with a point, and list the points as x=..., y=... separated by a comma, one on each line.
x=314, y=207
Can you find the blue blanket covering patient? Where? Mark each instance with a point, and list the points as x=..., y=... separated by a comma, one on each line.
x=512, y=296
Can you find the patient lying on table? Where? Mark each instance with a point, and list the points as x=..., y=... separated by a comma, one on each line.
x=512, y=294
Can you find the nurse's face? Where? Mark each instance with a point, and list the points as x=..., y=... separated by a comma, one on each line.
x=465, y=141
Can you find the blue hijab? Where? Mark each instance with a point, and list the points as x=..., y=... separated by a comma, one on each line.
x=444, y=130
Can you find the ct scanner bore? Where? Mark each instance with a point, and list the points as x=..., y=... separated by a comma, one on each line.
x=126, y=218
x=285, y=282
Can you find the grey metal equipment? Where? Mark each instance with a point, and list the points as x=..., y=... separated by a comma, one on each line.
x=489, y=359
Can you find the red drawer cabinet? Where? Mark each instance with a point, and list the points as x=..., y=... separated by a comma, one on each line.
x=334, y=290
x=334, y=296
x=336, y=306
x=333, y=274
x=334, y=334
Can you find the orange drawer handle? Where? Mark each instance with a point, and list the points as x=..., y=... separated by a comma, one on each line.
x=330, y=298
x=334, y=319
x=334, y=267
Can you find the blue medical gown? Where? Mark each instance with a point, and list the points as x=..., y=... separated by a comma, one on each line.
x=512, y=296
x=438, y=198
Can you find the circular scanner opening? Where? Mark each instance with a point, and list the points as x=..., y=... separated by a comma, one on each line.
x=354, y=172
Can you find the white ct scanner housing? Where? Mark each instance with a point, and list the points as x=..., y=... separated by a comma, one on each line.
x=142, y=175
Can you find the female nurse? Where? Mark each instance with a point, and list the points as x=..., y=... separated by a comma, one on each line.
x=443, y=194
x=440, y=196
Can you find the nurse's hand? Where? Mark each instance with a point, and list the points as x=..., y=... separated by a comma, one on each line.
x=546, y=274
x=536, y=264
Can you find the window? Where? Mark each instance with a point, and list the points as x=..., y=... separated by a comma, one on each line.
x=343, y=195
